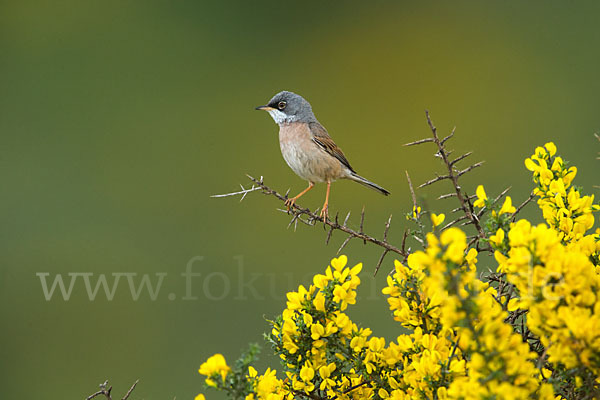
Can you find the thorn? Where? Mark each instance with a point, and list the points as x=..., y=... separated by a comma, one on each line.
x=449, y=224
x=531, y=197
x=427, y=140
x=294, y=218
x=430, y=123
x=346, y=241
x=447, y=137
x=346, y=219
x=380, y=261
x=461, y=158
x=404, y=241
x=470, y=168
x=434, y=180
x=387, y=228
x=329, y=235
x=446, y=196
x=362, y=221
x=412, y=191
x=501, y=195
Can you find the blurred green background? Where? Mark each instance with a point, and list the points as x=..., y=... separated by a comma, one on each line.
x=119, y=119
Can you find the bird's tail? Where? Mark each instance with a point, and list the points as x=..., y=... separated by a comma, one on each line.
x=357, y=178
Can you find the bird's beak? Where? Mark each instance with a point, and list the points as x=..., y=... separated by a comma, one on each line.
x=265, y=108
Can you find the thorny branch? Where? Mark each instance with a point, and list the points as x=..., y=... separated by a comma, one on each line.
x=453, y=175
x=105, y=390
x=309, y=217
x=469, y=215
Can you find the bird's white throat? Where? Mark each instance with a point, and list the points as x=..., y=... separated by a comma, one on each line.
x=282, y=118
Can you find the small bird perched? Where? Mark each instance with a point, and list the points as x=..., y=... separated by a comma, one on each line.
x=307, y=147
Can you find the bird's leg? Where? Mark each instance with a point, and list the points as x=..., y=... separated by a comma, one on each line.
x=325, y=210
x=289, y=203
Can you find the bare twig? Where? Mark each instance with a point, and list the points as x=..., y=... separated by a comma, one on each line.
x=456, y=160
x=344, y=244
x=404, y=245
x=130, y=390
x=105, y=390
x=243, y=192
x=444, y=140
x=362, y=222
x=449, y=195
x=523, y=204
x=310, y=217
x=385, y=233
x=470, y=168
x=412, y=191
x=453, y=176
x=426, y=140
x=434, y=180
x=454, y=222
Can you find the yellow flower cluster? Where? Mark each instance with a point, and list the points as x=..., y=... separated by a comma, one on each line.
x=313, y=330
x=439, y=291
x=560, y=288
x=463, y=342
x=563, y=207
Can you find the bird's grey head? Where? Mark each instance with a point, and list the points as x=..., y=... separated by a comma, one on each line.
x=286, y=107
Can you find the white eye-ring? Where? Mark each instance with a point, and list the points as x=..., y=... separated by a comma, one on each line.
x=281, y=105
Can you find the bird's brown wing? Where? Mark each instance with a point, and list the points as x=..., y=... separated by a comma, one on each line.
x=324, y=141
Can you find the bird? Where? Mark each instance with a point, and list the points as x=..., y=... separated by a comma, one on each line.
x=308, y=149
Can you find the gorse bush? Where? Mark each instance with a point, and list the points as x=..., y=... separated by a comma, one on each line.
x=531, y=329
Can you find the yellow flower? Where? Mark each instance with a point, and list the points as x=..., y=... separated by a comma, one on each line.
x=357, y=343
x=481, y=197
x=498, y=238
x=376, y=344
x=307, y=373
x=215, y=364
x=344, y=295
x=507, y=207
x=530, y=165
x=416, y=212
x=326, y=370
x=339, y=263
x=252, y=372
x=295, y=299
x=317, y=330
x=437, y=219
x=551, y=147
x=471, y=256
x=200, y=397
x=319, y=302
x=320, y=281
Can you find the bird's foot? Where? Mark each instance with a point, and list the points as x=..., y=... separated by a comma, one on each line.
x=324, y=212
x=289, y=203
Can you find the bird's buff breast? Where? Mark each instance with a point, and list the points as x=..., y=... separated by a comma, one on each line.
x=305, y=157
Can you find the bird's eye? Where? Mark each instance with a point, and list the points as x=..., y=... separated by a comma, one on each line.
x=281, y=105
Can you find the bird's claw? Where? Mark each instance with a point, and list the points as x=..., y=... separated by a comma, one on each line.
x=289, y=203
x=324, y=213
